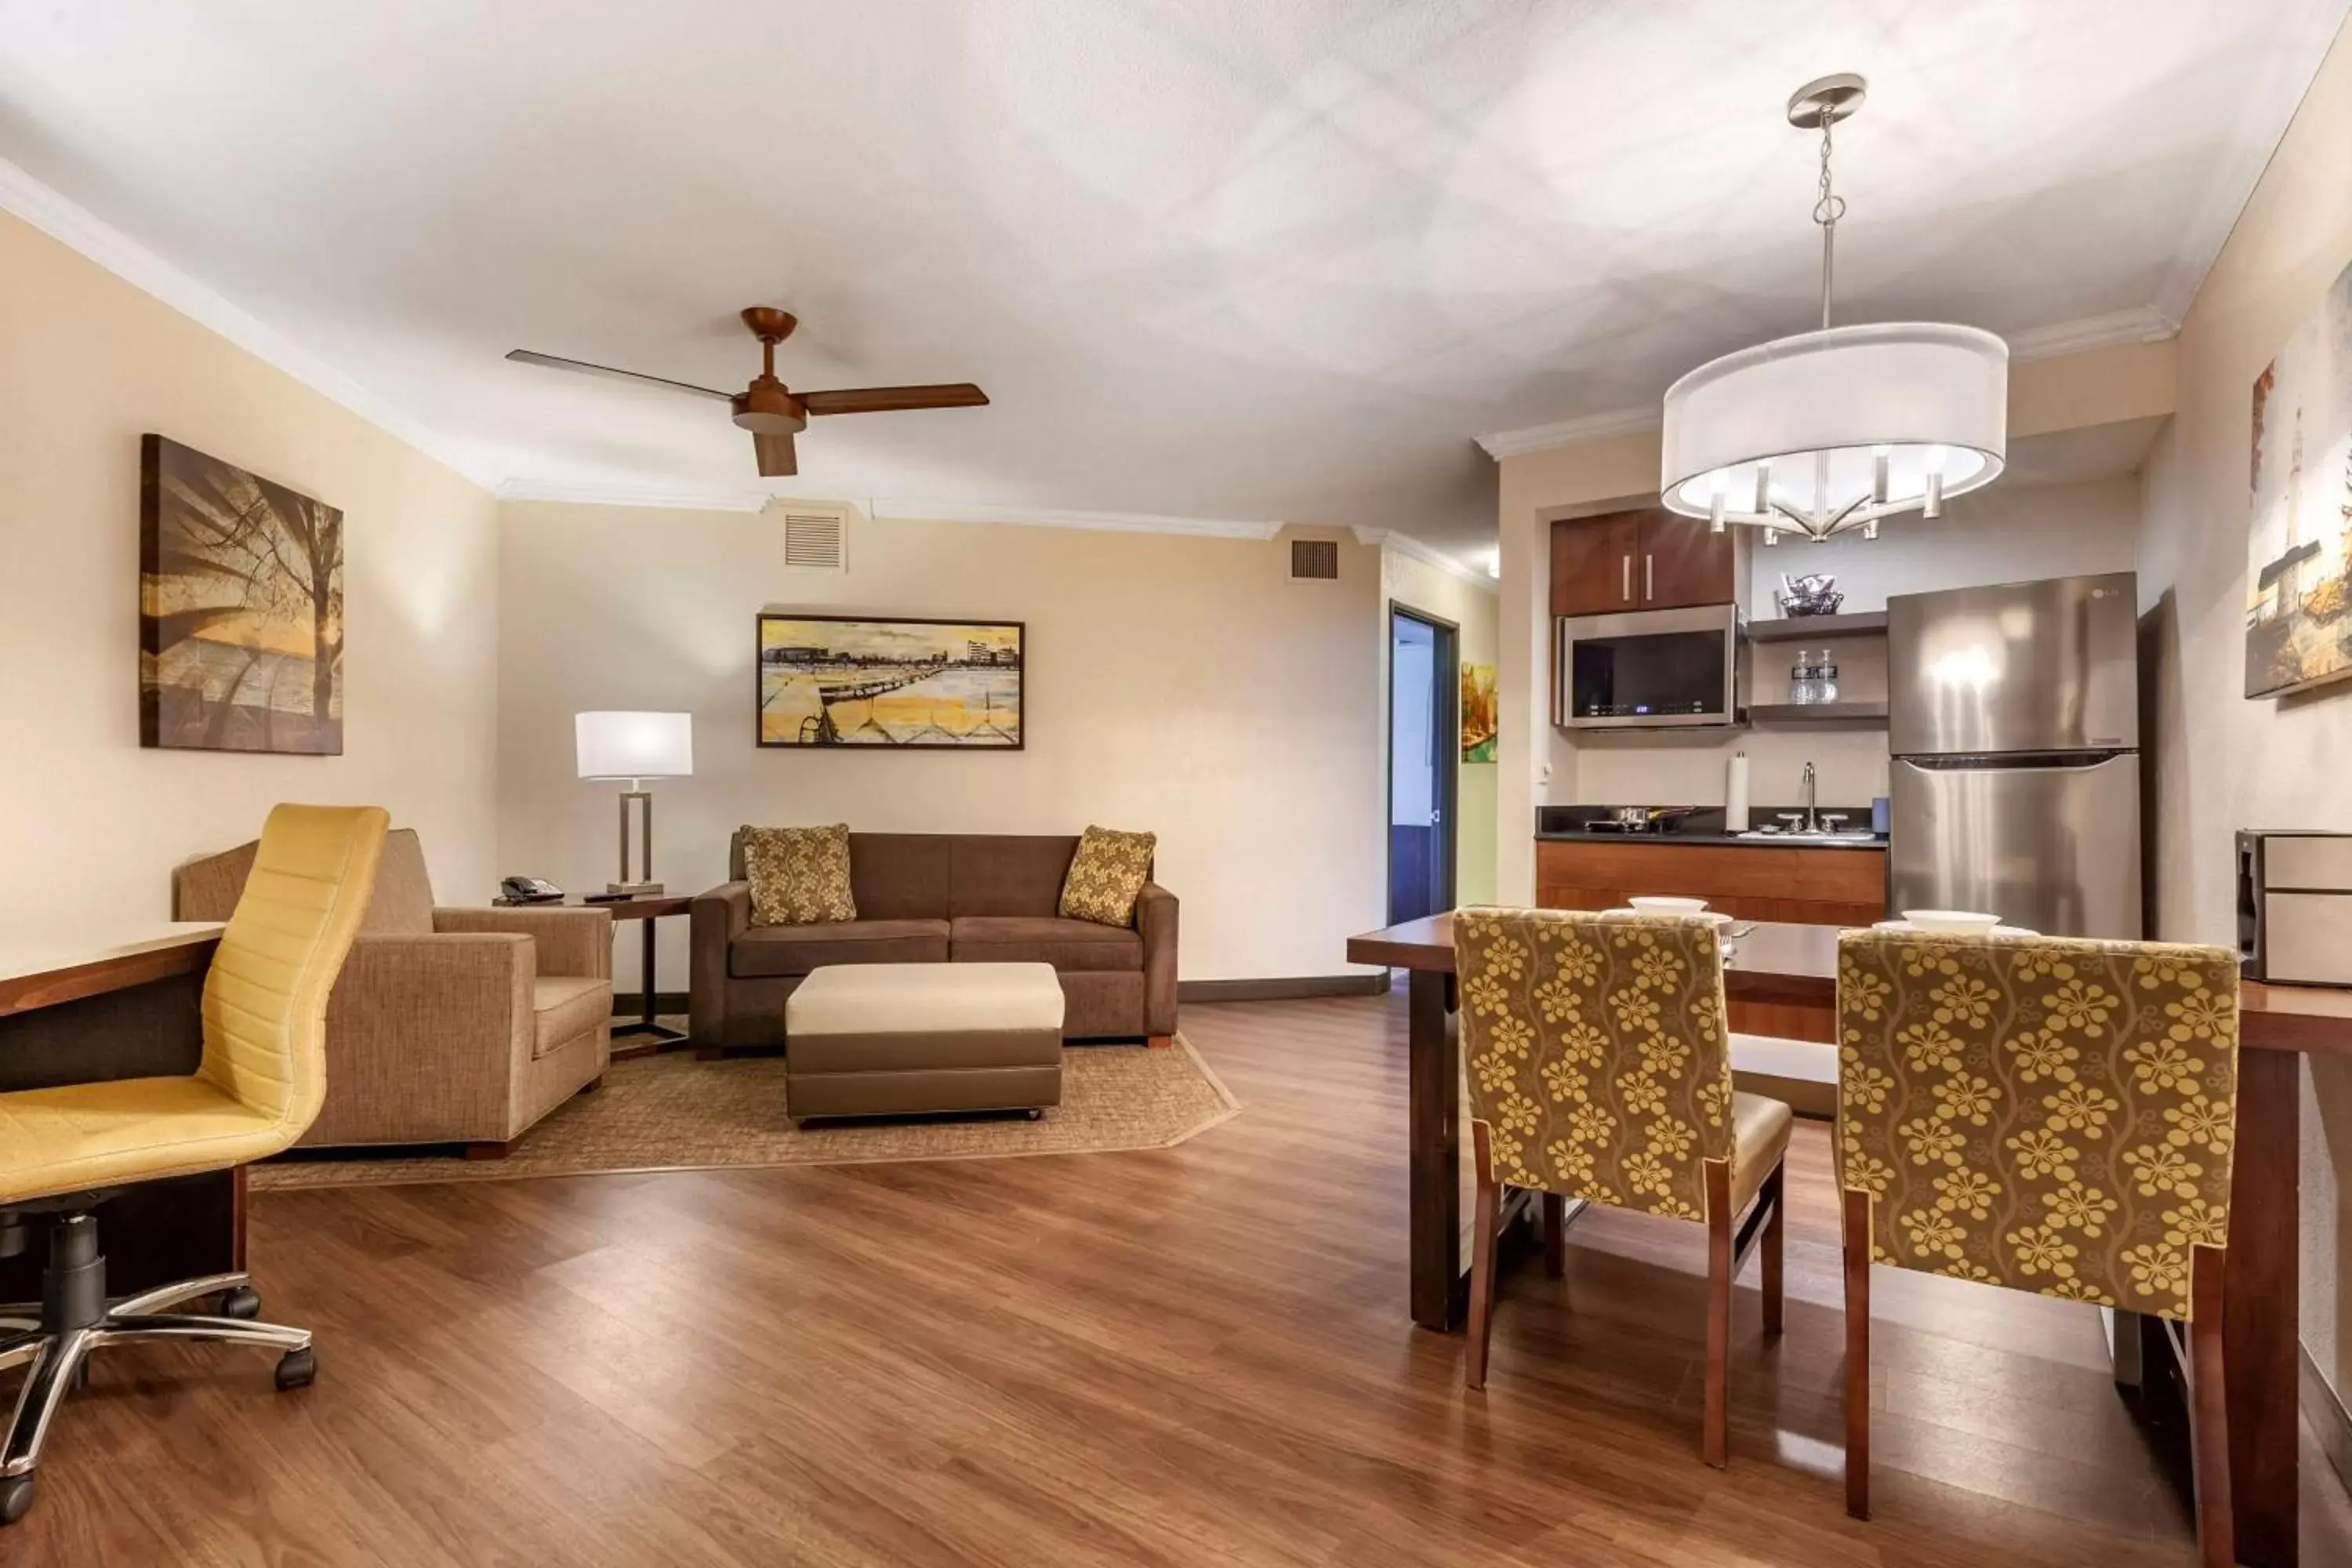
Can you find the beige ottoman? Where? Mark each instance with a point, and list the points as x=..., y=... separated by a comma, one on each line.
x=895, y=1039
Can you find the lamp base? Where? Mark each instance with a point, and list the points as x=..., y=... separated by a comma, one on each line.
x=631, y=889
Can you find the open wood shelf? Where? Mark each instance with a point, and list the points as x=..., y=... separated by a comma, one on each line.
x=1803, y=628
x=1843, y=715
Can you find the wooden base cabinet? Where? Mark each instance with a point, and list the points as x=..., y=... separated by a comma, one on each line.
x=1801, y=885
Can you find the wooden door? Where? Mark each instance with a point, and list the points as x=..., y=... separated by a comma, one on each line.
x=1684, y=561
x=1594, y=565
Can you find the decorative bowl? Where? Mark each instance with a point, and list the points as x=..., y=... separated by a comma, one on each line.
x=1952, y=923
x=1655, y=904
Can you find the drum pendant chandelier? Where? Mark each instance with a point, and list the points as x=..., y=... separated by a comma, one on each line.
x=1836, y=430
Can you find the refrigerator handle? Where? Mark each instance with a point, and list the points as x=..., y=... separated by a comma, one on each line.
x=2013, y=761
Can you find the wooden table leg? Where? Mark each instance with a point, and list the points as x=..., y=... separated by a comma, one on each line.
x=1434, y=1080
x=2259, y=1307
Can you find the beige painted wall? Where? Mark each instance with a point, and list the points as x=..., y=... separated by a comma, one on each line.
x=93, y=824
x=1180, y=685
x=2225, y=762
x=1417, y=585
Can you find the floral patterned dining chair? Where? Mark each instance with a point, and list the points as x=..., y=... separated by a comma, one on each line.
x=1596, y=1048
x=2051, y=1115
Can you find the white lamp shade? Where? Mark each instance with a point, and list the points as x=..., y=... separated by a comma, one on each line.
x=615, y=745
x=1928, y=399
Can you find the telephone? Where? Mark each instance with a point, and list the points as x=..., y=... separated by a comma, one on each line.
x=530, y=890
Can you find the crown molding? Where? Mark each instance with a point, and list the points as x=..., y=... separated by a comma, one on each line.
x=1406, y=545
x=1040, y=517
x=1501, y=444
x=2141, y=324
x=656, y=497
x=82, y=231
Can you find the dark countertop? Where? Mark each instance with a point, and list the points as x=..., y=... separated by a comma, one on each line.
x=1561, y=823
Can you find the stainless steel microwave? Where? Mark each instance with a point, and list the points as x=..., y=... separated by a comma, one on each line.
x=1651, y=670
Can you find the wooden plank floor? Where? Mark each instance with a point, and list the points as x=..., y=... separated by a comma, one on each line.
x=1193, y=1356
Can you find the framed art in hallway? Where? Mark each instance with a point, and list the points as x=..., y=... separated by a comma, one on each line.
x=1478, y=710
x=844, y=680
x=2298, y=568
x=240, y=609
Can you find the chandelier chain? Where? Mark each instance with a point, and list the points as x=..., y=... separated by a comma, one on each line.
x=1827, y=209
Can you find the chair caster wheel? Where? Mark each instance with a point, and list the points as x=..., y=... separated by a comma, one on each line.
x=297, y=1369
x=15, y=1498
x=244, y=1302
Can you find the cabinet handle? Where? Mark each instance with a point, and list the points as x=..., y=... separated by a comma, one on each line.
x=1627, y=576
x=1649, y=577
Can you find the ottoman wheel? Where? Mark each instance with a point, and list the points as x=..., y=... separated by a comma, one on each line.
x=1034, y=1114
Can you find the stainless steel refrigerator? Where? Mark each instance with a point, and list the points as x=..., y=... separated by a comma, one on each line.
x=2013, y=721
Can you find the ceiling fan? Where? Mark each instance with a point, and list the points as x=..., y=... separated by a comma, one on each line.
x=772, y=412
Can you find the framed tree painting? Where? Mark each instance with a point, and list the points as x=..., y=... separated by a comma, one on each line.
x=843, y=680
x=240, y=609
x=2298, y=568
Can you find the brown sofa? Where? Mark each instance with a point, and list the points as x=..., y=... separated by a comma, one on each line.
x=937, y=898
x=447, y=1025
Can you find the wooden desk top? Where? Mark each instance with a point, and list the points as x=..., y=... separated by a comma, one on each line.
x=40, y=971
x=1778, y=963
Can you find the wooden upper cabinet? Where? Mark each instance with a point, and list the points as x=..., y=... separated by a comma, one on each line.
x=1596, y=565
x=1652, y=559
x=1685, y=562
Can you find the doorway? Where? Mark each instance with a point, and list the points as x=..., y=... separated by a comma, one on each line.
x=1424, y=692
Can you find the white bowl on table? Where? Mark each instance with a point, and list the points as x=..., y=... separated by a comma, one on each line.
x=1952, y=923
x=1658, y=904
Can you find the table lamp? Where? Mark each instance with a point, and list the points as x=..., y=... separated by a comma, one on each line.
x=635, y=747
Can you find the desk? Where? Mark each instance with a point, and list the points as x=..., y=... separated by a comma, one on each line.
x=124, y=1004
x=1774, y=963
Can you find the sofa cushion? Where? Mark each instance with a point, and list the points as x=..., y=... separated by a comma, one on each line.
x=767, y=952
x=1037, y=939
x=564, y=1006
x=901, y=875
x=799, y=875
x=1009, y=874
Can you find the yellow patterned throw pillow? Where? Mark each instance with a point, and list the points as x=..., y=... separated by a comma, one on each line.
x=799, y=876
x=1107, y=876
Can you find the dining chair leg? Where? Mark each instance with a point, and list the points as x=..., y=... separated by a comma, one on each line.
x=2209, y=1423
x=1715, y=1441
x=1488, y=1206
x=1554, y=1235
x=1854, y=1226
x=1776, y=1229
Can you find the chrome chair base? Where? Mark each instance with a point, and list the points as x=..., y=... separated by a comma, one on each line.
x=55, y=1348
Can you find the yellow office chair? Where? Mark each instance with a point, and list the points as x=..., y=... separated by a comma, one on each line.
x=64, y=1150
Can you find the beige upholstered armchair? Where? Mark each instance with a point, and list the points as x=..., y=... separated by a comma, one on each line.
x=447, y=1025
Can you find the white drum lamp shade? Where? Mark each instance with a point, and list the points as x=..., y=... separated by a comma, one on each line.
x=627, y=745
x=1834, y=429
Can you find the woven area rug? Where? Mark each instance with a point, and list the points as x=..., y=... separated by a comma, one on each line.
x=671, y=1112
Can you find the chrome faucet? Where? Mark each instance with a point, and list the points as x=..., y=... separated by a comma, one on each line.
x=1812, y=807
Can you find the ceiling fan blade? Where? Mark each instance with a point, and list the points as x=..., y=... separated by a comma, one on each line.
x=777, y=458
x=557, y=361
x=884, y=399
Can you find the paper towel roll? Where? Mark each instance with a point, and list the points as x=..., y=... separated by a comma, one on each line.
x=1735, y=794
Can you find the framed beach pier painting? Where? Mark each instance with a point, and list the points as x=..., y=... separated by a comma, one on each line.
x=844, y=680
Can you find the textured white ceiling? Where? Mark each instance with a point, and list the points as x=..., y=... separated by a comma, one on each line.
x=1227, y=258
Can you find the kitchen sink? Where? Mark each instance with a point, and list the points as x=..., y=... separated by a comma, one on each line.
x=1842, y=835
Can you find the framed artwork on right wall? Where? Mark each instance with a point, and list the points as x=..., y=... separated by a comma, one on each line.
x=2300, y=474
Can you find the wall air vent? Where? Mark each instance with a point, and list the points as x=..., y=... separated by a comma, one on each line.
x=816, y=536
x=1314, y=560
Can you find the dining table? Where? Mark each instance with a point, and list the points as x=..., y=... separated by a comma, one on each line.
x=1770, y=961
